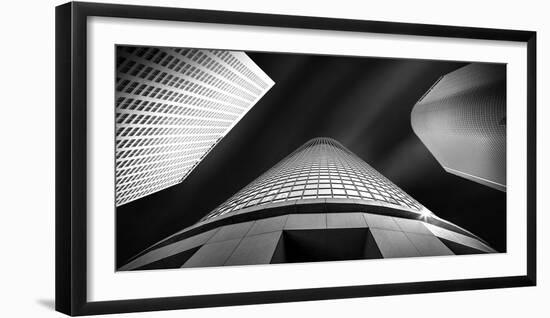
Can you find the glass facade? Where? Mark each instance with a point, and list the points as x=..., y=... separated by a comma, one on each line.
x=462, y=121
x=321, y=168
x=173, y=106
x=319, y=171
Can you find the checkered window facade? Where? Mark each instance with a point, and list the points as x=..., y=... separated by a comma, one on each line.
x=173, y=105
x=321, y=168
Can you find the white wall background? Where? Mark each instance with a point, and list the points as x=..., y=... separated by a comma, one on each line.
x=27, y=160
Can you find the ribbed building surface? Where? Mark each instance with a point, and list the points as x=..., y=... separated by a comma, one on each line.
x=321, y=203
x=173, y=106
x=462, y=122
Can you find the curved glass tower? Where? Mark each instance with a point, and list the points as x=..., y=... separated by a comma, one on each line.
x=320, y=169
x=320, y=203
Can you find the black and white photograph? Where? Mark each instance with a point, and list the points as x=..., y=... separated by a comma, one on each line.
x=228, y=158
x=211, y=158
x=253, y=159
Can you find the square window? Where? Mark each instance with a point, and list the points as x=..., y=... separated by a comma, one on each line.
x=366, y=195
x=295, y=193
x=268, y=198
x=281, y=195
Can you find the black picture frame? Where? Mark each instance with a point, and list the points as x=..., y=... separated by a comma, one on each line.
x=71, y=157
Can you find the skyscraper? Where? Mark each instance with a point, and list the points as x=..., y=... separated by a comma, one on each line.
x=173, y=106
x=320, y=203
x=462, y=122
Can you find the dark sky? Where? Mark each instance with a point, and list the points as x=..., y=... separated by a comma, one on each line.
x=365, y=103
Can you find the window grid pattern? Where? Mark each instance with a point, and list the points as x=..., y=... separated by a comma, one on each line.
x=321, y=168
x=173, y=106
